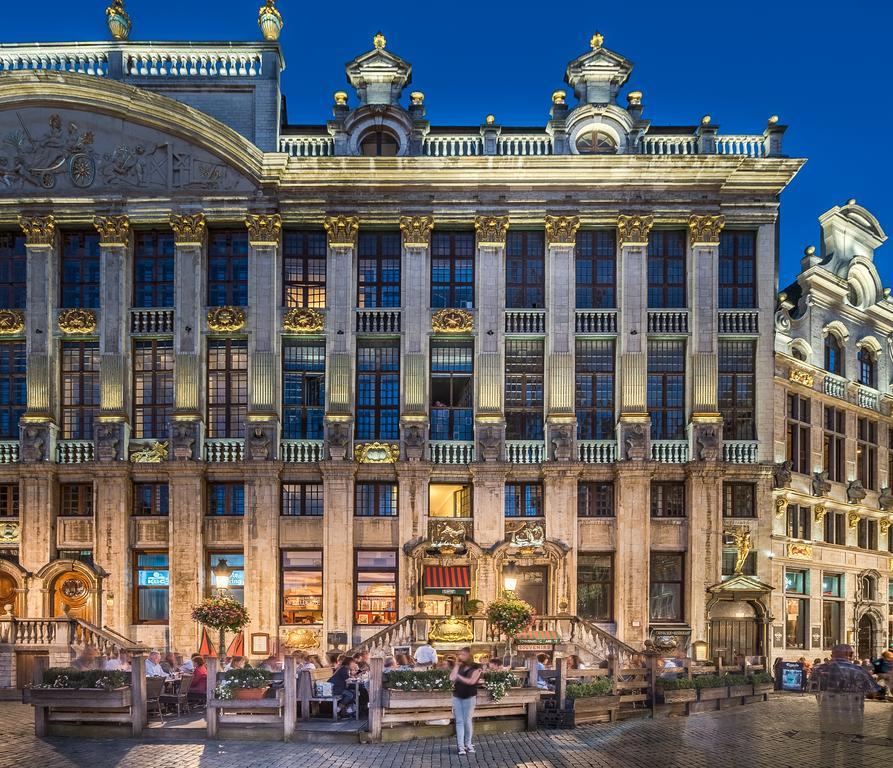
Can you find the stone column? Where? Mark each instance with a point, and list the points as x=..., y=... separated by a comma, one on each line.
x=264, y=290
x=188, y=418
x=186, y=551
x=560, y=498
x=488, y=479
x=37, y=536
x=561, y=420
x=705, y=532
x=112, y=429
x=412, y=494
x=632, y=556
x=416, y=328
x=338, y=554
x=261, y=547
x=341, y=293
x=111, y=549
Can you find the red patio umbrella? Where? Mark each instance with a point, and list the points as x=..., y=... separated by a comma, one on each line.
x=206, y=647
x=237, y=646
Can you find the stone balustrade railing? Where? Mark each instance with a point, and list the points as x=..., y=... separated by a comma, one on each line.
x=668, y=321
x=224, y=450
x=835, y=386
x=524, y=144
x=748, y=146
x=9, y=451
x=24, y=633
x=83, y=58
x=451, y=451
x=596, y=321
x=519, y=321
x=307, y=146
x=525, y=451
x=151, y=321
x=192, y=61
x=740, y=451
x=669, y=451
x=868, y=398
x=74, y=451
x=597, y=451
x=300, y=451
x=378, y=320
x=743, y=321
x=669, y=145
x=459, y=145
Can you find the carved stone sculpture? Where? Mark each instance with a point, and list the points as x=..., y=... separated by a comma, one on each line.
x=820, y=484
x=855, y=492
x=708, y=443
x=108, y=441
x=781, y=474
x=34, y=442
x=414, y=441
x=183, y=440
x=562, y=443
x=259, y=443
x=338, y=439
x=634, y=442
x=885, y=499
x=490, y=441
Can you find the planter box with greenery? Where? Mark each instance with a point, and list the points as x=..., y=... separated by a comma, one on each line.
x=678, y=690
x=91, y=689
x=762, y=683
x=248, y=684
x=711, y=687
x=739, y=686
x=432, y=688
x=591, y=702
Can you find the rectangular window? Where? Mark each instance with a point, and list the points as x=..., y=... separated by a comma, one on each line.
x=13, y=388
x=796, y=608
x=667, y=499
x=227, y=387
x=737, y=270
x=452, y=392
x=9, y=499
x=866, y=453
x=13, y=270
x=304, y=269
x=730, y=560
x=835, y=528
x=835, y=443
x=666, y=389
x=525, y=268
x=375, y=500
x=798, y=431
x=736, y=388
x=378, y=270
x=595, y=389
x=376, y=587
x=150, y=499
x=235, y=561
x=596, y=269
x=867, y=533
x=449, y=501
x=228, y=268
x=76, y=500
x=832, y=585
x=739, y=500
x=799, y=518
x=595, y=586
x=595, y=499
x=153, y=269
x=153, y=387
x=831, y=615
x=80, y=270
x=226, y=499
x=302, y=499
x=302, y=586
x=524, y=389
x=303, y=389
x=378, y=390
x=523, y=500
x=80, y=389
x=666, y=584
x=666, y=269
x=151, y=581
x=452, y=270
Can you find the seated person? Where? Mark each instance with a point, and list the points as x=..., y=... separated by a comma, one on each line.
x=198, y=687
x=346, y=672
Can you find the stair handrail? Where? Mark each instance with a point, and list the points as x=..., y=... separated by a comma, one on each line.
x=384, y=638
x=105, y=641
x=617, y=647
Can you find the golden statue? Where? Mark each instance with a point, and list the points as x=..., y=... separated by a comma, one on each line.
x=740, y=534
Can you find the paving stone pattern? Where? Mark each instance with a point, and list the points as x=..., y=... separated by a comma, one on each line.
x=780, y=734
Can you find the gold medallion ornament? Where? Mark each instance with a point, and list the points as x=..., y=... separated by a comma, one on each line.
x=342, y=231
x=113, y=230
x=491, y=230
x=376, y=453
x=151, y=454
x=301, y=639
x=39, y=230
x=452, y=321
x=562, y=230
x=416, y=230
x=189, y=228
x=634, y=230
x=12, y=321
x=705, y=230
x=303, y=320
x=451, y=630
x=10, y=532
x=264, y=229
x=226, y=318
x=77, y=321
x=799, y=376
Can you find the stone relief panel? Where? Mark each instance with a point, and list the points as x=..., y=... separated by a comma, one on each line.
x=41, y=149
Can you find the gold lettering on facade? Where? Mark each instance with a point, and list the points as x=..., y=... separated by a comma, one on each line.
x=189, y=229
x=491, y=230
x=562, y=230
x=264, y=229
x=451, y=630
x=39, y=230
x=77, y=321
x=416, y=230
x=342, y=231
x=634, y=230
x=705, y=230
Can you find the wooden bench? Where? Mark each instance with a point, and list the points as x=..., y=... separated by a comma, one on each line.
x=307, y=693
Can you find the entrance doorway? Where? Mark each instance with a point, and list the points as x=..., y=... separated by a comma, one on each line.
x=73, y=590
x=865, y=639
x=533, y=586
x=8, y=593
x=734, y=628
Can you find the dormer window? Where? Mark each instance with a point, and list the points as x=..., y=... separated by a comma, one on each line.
x=379, y=143
x=833, y=355
x=867, y=367
x=596, y=142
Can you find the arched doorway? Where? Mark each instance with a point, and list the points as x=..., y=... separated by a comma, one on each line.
x=73, y=590
x=8, y=592
x=735, y=628
x=865, y=639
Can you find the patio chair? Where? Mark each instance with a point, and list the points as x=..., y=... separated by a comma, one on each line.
x=154, y=689
x=178, y=699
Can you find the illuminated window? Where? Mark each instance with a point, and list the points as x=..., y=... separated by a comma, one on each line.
x=302, y=586
x=151, y=585
x=375, y=577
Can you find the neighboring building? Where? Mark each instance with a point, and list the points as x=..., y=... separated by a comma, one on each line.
x=832, y=539
x=375, y=364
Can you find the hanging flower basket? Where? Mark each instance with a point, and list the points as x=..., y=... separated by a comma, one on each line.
x=221, y=613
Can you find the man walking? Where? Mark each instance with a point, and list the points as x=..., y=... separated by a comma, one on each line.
x=840, y=687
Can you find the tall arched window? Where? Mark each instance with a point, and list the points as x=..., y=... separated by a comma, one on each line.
x=379, y=143
x=833, y=355
x=867, y=367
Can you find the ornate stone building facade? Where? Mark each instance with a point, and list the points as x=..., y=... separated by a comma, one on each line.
x=378, y=365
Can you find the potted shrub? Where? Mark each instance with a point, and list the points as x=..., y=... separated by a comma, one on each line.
x=248, y=684
x=711, y=687
x=222, y=614
x=677, y=690
x=762, y=683
x=591, y=701
x=738, y=685
x=498, y=683
x=510, y=615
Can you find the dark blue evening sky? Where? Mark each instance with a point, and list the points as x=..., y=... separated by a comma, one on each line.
x=827, y=75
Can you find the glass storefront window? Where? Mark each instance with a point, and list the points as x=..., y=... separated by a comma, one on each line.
x=302, y=586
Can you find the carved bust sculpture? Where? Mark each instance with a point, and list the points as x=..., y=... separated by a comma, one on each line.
x=781, y=474
x=820, y=484
x=634, y=441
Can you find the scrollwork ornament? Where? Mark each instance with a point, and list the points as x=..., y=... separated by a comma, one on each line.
x=705, y=230
x=264, y=229
x=77, y=321
x=562, y=230
x=342, y=231
x=452, y=321
x=12, y=321
x=377, y=453
x=884, y=525
x=799, y=376
x=226, y=319
x=491, y=230
x=303, y=320
x=818, y=512
x=781, y=506
x=416, y=230
x=151, y=454
x=782, y=321
x=634, y=230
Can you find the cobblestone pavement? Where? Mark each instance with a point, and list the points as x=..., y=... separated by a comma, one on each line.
x=782, y=734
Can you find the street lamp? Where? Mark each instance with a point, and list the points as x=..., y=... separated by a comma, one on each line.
x=222, y=571
x=510, y=576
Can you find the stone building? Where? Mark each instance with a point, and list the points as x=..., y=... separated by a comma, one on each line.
x=832, y=539
x=378, y=365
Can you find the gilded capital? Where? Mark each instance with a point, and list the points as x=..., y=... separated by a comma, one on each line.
x=491, y=230
x=189, y=228
x=342, y=231
x=113, y=230
x=704, y=230
x=39, y=230
x=634, y=230
x=264, y=229
x=416, y=230
x=562, y=230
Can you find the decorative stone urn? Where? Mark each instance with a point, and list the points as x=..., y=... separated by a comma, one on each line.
x=270, y=21
x=118, y=20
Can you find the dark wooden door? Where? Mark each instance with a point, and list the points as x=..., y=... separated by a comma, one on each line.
x=26, y=662
x=731, y=636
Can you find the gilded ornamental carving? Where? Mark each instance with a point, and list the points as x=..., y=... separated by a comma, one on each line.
x=301, y=639
x=451, y=630
x=740, y=536
x=226, y=319
x=113, y=230
x=528, y=537
x=39, y=230
x=781, y=506
x=634, y=230
x=303, y=320
x=491, y=230
x=10, y=532
x=852, y=520
x=562, y=230
x=77, y=321
x=452, y=321
x=884, y=525
x=264, y=229
x=12, y=321
x=818, y=512
x=342, y=231
x=189, y=228
x=448, y=536
x=151, y=454
x=799, y=376
x=416, y=230
x=798, y=551
x=704, y=230
x=376, y=453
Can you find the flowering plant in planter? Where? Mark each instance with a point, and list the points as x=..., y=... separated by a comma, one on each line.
x=221, y=613
x=423, y=680
x=603, y=686
x=68, y=677
x=498, y=683
x=762, y=678
x=250, y=678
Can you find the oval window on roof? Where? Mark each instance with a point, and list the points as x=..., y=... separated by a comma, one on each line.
x=379, y=143
x=596, y=142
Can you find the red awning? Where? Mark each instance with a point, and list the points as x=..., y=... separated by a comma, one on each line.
x=538, y=636
x=447, y=577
